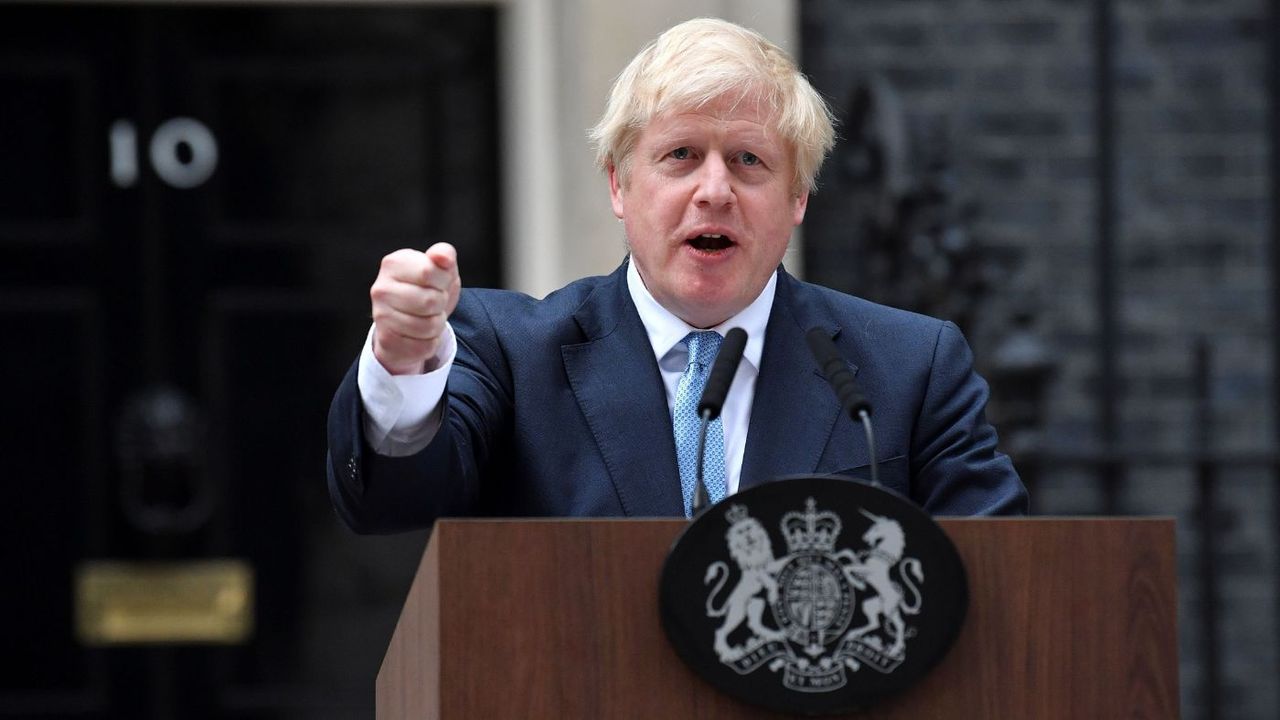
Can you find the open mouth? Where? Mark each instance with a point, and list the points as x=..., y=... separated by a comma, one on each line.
x=708, y=242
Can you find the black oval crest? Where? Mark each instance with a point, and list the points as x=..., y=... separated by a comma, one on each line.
x=813, y=594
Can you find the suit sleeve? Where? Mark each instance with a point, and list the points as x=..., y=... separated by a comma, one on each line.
x=956, y=468
x=374, y=493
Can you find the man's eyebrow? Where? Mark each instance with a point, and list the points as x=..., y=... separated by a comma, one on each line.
x=679, y=133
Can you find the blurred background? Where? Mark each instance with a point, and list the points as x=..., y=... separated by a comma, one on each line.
x=194, y=198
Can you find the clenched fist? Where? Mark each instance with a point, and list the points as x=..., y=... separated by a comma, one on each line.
x=412, y=298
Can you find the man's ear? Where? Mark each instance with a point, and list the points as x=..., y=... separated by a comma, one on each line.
x=615, y=191
x=801, y=204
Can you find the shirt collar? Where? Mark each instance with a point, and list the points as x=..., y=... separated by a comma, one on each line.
x=666, y=330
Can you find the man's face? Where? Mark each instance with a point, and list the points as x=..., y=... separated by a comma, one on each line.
x=709, y=203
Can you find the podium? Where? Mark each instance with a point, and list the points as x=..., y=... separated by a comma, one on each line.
x=1068, y=618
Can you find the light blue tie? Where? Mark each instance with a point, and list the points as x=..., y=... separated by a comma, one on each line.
x=703, y=347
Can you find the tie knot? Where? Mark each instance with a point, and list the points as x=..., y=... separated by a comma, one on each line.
x=703, y=346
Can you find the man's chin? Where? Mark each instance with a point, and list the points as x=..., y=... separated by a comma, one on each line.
x=708, y=311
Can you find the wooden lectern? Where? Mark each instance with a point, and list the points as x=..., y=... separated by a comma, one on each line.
x=1068, y=618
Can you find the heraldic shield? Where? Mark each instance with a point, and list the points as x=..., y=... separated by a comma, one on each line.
x=813, y=595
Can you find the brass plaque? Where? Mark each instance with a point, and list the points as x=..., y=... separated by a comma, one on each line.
x=198, y=601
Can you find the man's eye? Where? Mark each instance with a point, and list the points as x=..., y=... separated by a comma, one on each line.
x=749, y=158
x=680, y=153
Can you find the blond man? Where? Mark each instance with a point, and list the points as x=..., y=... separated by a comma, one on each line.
x=491, y=402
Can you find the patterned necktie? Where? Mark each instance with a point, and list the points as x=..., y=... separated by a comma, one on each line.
x=703, y=347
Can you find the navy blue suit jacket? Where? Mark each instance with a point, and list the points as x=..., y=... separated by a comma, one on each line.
x=556, y=407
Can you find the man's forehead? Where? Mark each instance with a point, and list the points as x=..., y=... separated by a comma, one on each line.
x=748, y=105
x=752, y=120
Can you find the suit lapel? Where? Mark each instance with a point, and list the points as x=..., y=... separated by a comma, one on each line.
x=794, y=410
x=618, y=386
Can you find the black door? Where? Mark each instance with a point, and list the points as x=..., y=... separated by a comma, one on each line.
x=193, y=202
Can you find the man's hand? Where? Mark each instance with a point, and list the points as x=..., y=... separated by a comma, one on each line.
x=412, y=298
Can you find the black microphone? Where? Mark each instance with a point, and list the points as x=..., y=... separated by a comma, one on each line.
x=722, y=372
x=840, y=378
x=837, y=372
x=713, y=395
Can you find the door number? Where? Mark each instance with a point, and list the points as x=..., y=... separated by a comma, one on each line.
x=176, y=169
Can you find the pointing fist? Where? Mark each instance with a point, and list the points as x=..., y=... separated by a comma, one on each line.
x=413, y=296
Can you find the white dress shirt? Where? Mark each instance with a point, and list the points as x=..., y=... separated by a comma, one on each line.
x=402, y=412
x=666, y=331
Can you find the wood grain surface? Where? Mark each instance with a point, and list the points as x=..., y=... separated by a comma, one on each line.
x=1068, y=618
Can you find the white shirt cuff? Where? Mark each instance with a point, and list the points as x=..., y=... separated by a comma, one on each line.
x=402, y=413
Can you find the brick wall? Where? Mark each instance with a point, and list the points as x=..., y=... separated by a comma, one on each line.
x=1007, y=91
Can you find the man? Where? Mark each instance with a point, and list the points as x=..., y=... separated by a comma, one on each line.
x=490, y=402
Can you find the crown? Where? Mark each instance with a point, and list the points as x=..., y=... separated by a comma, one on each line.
x=811, y=530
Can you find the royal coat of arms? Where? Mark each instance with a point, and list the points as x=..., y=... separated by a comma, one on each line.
x=819, y=611
x=808, y=594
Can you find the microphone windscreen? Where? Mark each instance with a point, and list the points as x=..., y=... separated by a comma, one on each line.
x=722, y=372
x=836, y=371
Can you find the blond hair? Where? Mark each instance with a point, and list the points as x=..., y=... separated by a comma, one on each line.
x=700, y=61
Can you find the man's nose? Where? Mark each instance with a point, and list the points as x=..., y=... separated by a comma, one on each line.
x=715, y=184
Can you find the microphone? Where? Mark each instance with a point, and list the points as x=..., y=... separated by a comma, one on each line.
x=722, y=372
x=713, y=395
x=840, y=378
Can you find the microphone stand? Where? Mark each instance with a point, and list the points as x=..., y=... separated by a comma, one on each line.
x=871, y=446
x=700, y=498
